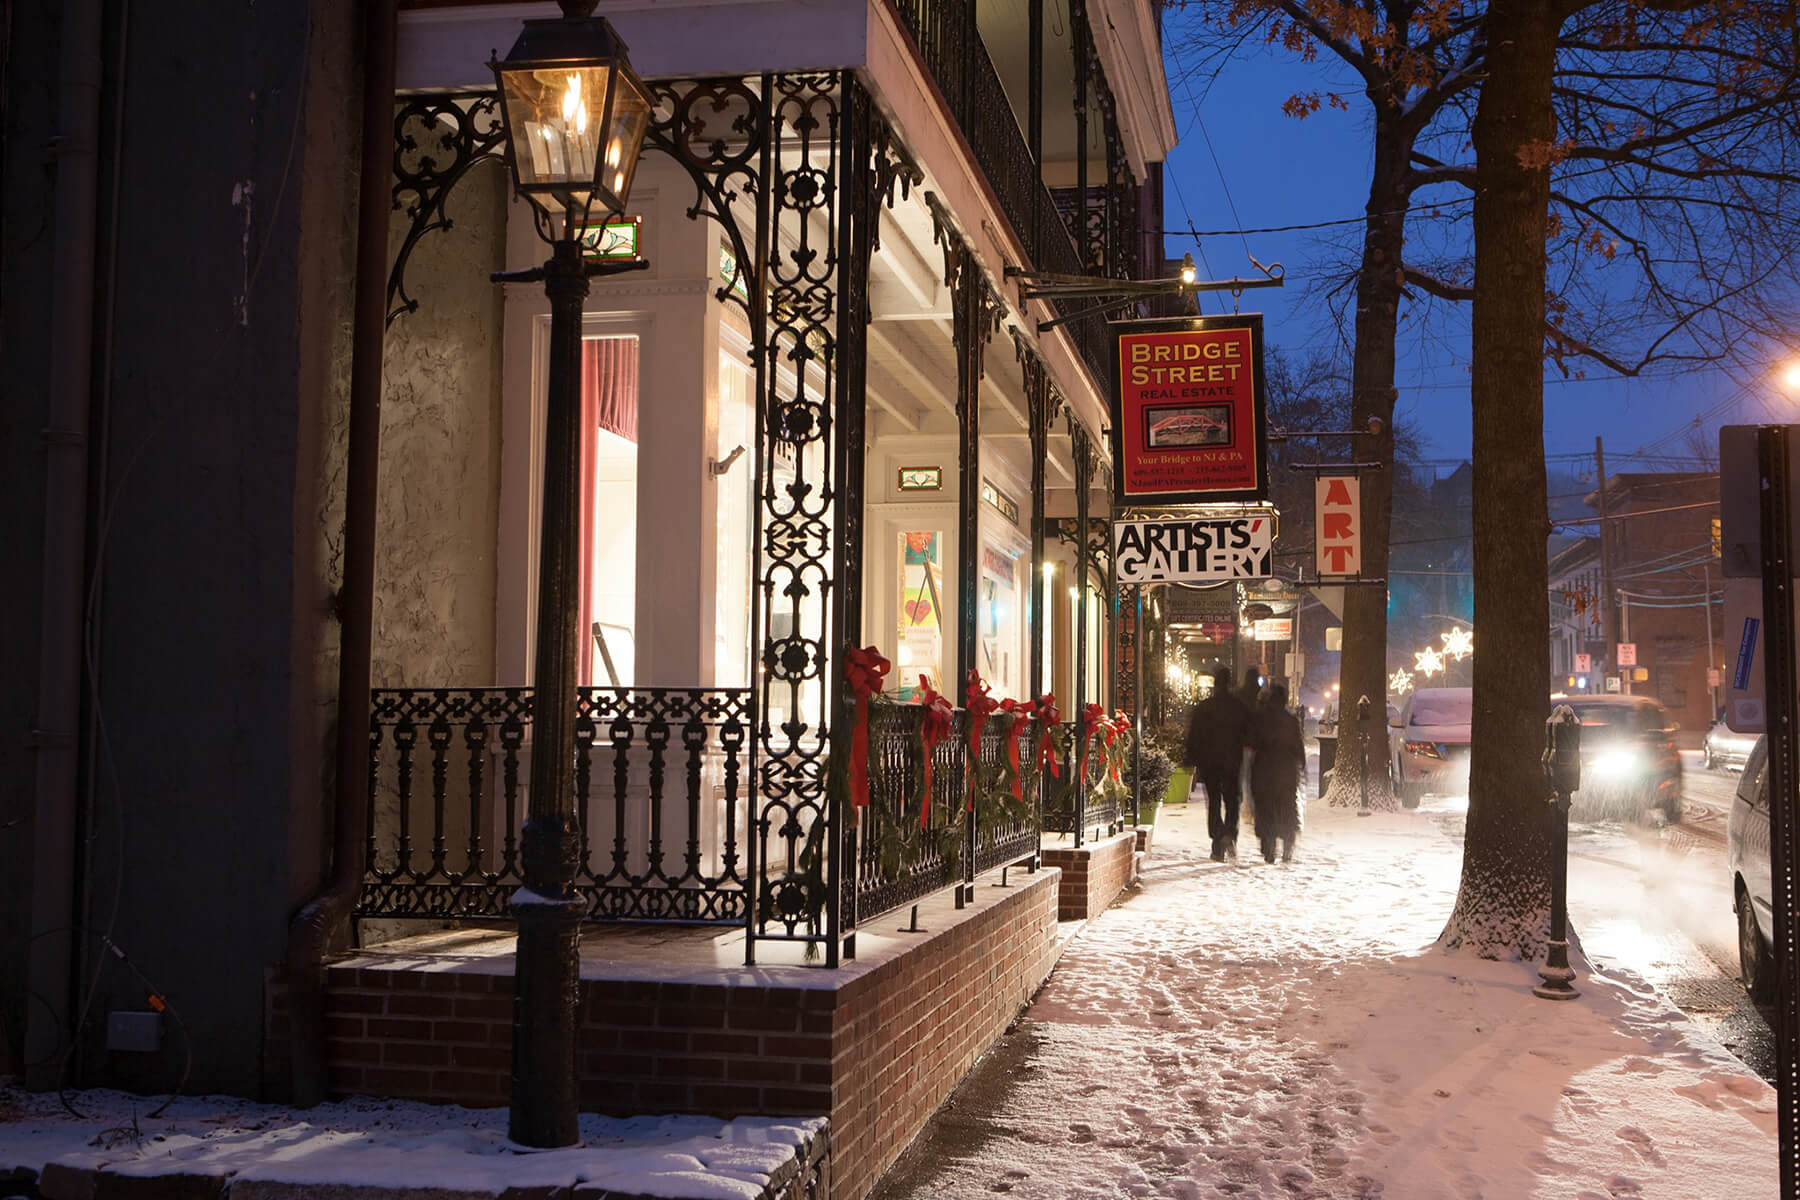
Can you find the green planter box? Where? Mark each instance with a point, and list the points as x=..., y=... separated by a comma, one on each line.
x=1179, y=783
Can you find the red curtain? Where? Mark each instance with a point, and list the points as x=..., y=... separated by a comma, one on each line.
x=609, y=401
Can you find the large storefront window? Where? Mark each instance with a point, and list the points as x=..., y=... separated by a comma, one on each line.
x=609, y=399
x=1002, y=621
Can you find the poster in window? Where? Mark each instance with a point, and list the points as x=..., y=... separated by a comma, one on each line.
x=1187, y=410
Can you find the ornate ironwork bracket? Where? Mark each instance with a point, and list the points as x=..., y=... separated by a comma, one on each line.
x=437, y=140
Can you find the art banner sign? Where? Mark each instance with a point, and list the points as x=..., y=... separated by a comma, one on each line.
x=1337, y=525
x=1187, y=411
x=1193, y=549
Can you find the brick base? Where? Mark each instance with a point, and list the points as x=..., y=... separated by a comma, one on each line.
x=876, y=1044
x=1093, y=875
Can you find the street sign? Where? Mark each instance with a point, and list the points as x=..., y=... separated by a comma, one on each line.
x=1612, y=683
x=1201, y=548
x=1712, y=677
x=1626, y=654
x=1584, y=664
x=1188, y=424
x=1274, y=629
x=1337, y=525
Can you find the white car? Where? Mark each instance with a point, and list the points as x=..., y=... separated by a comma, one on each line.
x=1430, y=746
x=1747, y=854
x=1725, y=748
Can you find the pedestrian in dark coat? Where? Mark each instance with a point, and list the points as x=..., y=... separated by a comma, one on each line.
x=1279, y=752
x=1218, y=731
x=1251, y=694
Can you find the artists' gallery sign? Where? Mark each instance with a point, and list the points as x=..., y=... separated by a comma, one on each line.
x=1187, y=410
x=1202, y=548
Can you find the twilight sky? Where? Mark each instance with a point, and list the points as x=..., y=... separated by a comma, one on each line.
x=1242, y=164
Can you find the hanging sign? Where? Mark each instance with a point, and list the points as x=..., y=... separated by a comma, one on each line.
x=1187, y=410
x=1194, y=549
x=1274, y=629
x=1337, y=525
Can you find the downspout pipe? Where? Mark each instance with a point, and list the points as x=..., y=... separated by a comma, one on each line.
x=52, y=961
x=320, y=924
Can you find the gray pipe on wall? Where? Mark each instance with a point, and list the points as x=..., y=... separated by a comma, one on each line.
x=52, y=961
x=321, y=923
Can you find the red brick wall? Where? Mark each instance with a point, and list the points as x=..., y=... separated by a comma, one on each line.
x=875, y=1047
x=1093, y=875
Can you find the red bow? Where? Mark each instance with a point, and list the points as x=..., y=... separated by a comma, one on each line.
x=1093, y=721
x=863, y=671
x=1021, y=713
x=979, y=704
x=934, y=728
x=1048, y=714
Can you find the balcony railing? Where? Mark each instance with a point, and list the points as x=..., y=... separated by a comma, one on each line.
x=947, y=40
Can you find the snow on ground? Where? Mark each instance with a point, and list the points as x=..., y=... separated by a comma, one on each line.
x=394, y=1144
x=1286, y=1031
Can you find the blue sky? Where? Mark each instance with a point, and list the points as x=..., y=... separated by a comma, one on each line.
x=1242, y=164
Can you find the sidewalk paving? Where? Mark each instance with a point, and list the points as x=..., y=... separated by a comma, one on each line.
x=1287, y=1031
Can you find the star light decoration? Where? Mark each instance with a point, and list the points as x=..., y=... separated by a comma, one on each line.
x=1428, y=662
x=1400, y=682
x=1459, y=643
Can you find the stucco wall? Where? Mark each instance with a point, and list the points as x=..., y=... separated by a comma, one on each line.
x=440, y=450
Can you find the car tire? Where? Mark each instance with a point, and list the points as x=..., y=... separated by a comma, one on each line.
x=1707, y=760
x=1671, y=807
x=1756, y=965
x=1409, y=793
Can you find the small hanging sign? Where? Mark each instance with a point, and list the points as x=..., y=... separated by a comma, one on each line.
x=1188, y=423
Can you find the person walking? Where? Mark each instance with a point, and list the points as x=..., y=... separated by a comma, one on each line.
x=1217, y=732
x=1250, y=694
x=1278, y=752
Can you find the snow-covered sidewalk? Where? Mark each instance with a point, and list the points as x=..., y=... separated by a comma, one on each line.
x=1286, y=1031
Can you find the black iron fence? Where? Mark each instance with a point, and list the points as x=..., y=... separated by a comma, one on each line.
x=661, y=794
x=1093, y=806
x=904, y=850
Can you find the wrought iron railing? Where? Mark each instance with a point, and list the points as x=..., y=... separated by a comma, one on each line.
x=950, y=46
x=904, y=853
x=1090, y=807
x=661, y=794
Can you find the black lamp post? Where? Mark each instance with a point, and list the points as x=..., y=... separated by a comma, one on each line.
x=575, y=116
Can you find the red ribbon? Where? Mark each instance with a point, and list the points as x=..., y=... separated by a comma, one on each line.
x=863, y=671
x=1021, y=713
x=1093, y=721
x=934, y=728
x=979, y=704
x=1048, y=714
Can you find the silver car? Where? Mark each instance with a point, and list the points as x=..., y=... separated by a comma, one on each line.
x=1747, y=854
x=1725, y=748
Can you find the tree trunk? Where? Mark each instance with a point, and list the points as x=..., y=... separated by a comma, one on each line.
x=1502, y=908
x=1362, y=670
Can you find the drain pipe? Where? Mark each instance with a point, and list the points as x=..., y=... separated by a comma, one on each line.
x=52, y=961
x=320, y=923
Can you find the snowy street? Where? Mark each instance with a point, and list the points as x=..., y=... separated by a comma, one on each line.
x=1284, y=1031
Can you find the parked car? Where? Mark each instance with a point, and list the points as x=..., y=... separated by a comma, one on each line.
x=1430, y=748
x=1726, y=748
x=1747, y=856
x=1629, y=762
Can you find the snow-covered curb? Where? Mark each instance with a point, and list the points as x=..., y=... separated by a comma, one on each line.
x=369, y=1147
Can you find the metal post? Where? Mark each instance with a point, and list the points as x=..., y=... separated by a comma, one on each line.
x=1712, y=662
x=1362, y=731
x=1083, y=456
x=1562, y=774
x=1779, y=681
x=1137, y=704
x=547, y=970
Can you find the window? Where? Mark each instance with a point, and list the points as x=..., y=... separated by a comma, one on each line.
x=609, y=460
x=920, y=640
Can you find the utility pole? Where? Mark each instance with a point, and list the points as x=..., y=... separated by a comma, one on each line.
x=1609, y=625
x=1712, y=663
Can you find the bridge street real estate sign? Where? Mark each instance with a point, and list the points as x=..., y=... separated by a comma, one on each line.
x=1187, y=411
x=1194, y=548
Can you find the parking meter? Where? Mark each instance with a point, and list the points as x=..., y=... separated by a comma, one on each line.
x=1562, y=751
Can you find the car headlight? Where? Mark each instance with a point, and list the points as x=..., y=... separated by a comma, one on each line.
x=1616, y=764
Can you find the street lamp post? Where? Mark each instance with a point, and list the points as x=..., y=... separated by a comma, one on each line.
x=1562, y=778
x=575, y=115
